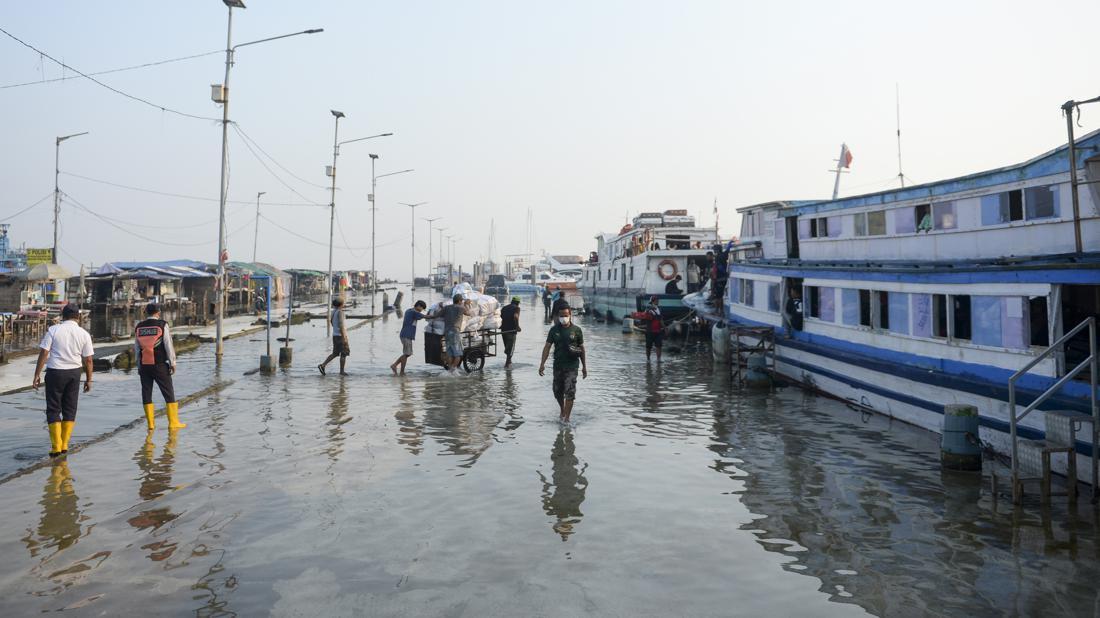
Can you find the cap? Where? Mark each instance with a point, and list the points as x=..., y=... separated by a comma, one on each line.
x=653, y=299
x=515, y=299
x=69, y=311
x=152, y=309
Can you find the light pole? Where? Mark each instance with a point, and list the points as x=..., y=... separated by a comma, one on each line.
x=373, y=199
x=332, y=204
x=220, y=94
x=412, y=224
x=441, y=230
x=431, y=276
x=256, y=234
x=56, y=190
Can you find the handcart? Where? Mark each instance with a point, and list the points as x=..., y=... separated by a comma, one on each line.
x=477, y=345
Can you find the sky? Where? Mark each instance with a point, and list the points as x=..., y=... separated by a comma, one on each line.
x=582, y=113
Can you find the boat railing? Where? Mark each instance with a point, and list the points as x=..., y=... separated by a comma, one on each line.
x=1015, y=418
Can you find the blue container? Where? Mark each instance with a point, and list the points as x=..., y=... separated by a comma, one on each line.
x=960, y=448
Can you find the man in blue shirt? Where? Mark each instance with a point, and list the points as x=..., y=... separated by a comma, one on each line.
x=408, y=334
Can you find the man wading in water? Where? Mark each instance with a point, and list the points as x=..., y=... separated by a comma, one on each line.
x=64, y=352
x=340, y=345
x=568, y=343
x=156, y=360
x=509, y=327
x=453, y=316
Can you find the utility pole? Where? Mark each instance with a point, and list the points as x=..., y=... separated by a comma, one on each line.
x=332, y=211
x=373, y=229
x=256, y=235
x=224, y=187
x=57, y=191
x=412, y=252
x=431, y=275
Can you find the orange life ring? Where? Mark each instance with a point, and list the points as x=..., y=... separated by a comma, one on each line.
x=661, y=270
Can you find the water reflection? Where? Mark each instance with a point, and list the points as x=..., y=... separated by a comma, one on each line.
x=563, y=494
x=410, y=433
x=156, y=480
x=59, y=526
x=460, y=414
x=337, y=416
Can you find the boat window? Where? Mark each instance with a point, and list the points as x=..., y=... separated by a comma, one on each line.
x=882, y=309
x=922, y=218
x=897, y=308
x=734, y=286
x=865, y=307
x=1039, y=327
x=747, y=292
x=985, y=320
x=631, y=272
x=1041, y=202
x=849, y=307
x=1013, y=322
x=876, y=223
x=819, y=228
x=939, y=315
x=804, y=228
x=773, y=297
x=960, y=325
x=810, y=301
x=860, y=220
x=921, y=310
x=944, y=215
x=1002, y=207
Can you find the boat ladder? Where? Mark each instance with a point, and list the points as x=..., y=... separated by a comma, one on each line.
x=1031, y=458
x=764, y=338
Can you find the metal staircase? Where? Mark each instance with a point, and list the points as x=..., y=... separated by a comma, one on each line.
x=1034, y=456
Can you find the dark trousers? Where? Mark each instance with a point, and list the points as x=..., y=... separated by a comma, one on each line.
x=156, y=373
x=509, y=342
x=62, y=393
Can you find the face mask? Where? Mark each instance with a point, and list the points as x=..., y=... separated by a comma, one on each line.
x=564, y=320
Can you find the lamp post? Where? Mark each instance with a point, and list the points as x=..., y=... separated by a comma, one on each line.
x=441, y=230
x=256, y=234
x=372, y=198
x=332, y=204
x=56, y=190
x=412, y=227
x=220, y=94
x=431, y=276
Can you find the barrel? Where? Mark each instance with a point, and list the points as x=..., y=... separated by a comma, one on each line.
x=720, y=343
x=628, y=325
x=960, y=448
x=756, y=372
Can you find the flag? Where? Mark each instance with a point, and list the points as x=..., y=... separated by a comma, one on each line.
x=845, y=156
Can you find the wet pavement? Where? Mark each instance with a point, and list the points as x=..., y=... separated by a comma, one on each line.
x=296, y=494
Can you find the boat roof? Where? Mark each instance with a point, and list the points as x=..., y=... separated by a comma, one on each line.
x=1049, y=163
x=776, y=204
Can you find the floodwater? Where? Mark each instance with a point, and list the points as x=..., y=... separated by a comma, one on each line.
x=296, y=494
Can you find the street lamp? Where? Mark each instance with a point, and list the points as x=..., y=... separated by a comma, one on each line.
x=412, y=224
x=220, y=94
x=56, y=190
x=256, y=234
x=431, y=276
x=441, y=230
x=372, y=198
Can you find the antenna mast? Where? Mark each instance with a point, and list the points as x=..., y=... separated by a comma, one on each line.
x=897, y=103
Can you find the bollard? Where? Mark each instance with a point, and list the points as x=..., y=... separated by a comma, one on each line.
x=720, y=343
x=628, y=325
x=756, y=373
x=960, y=448
x=265, y=364
x=286, y=355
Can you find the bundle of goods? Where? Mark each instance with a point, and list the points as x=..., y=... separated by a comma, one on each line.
x=483, y=312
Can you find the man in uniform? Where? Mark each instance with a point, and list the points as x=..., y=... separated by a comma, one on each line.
x=65, y=350
x=509, y=327
x=156, y=358
x=568, y=343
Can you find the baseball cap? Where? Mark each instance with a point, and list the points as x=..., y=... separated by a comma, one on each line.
x=515, y=299
x=70, y=310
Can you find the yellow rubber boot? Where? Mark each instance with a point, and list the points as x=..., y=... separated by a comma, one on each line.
x=149, y=411
x=55, y=439
x=174, y=416
x=66, y=433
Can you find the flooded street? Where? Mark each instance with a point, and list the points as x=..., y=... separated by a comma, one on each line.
x=297, y=494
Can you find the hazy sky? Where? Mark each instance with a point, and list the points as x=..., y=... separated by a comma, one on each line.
x=582, y=112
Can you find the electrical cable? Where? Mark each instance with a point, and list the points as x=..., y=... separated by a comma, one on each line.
x=346, y=243
x=119, y=70
x=182, y=195
x=325, y=244
x=131, y=233
x=280, y=165
x=272, y=172
x=9, y=217
x=111, y=88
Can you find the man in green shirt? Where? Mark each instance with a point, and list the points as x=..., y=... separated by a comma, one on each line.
x=568, y=343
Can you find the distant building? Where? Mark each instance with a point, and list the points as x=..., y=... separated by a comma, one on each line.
x=10, y=259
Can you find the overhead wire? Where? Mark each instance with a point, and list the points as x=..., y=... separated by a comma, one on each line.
x=325, y=244
x=12, y=216
x=272, y=172
x=111, y=223
x=273, y=160
x=340, y=227
x=118, y=70
x=182, y=195
x=162, y=108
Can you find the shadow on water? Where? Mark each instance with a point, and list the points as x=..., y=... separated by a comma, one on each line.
x=563, y=492
x=156, y=481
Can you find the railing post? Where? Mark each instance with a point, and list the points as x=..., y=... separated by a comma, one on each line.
x=1092, y=402
x=1012, y=433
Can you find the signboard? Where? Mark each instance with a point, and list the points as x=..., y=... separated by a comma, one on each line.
x=39, y=256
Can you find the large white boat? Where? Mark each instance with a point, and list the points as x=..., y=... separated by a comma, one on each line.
x=630, y=267
x=937, y=294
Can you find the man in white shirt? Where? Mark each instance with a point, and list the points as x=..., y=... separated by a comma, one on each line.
x=64, y=352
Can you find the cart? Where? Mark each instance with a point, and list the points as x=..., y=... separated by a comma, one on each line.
x=477, y=345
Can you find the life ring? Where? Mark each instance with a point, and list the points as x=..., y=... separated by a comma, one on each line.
x=661, y=270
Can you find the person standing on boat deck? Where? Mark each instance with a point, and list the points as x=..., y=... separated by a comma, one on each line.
x=509, y=328
x=408, y=335
x=546, y=298
x=673, y=287
x=453, y=316
x=568, y=343
x=65, y=350
x=693, y=276
x=340, y=345
x=792, y=312
x=156, y=358
x=654, y=328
